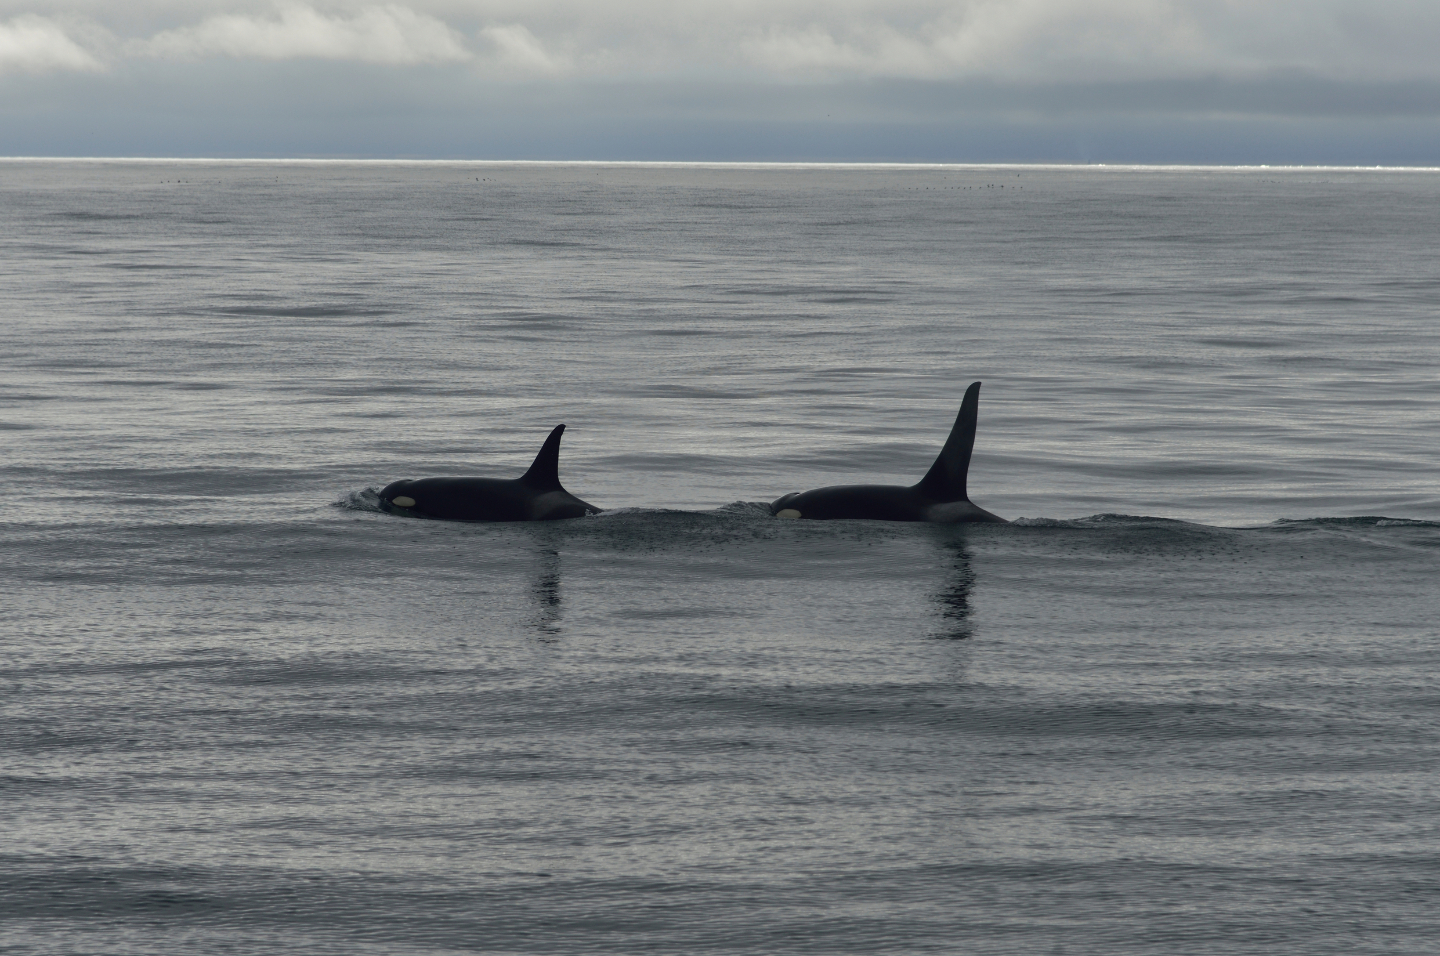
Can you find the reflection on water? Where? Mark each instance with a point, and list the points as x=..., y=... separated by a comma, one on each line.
x=953, y=599
x=545, y=592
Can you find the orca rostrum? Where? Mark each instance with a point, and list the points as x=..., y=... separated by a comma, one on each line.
x=535, y=496
x=940, y=496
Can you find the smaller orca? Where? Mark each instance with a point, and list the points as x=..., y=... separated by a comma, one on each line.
x=534, y=496
x=939, y=496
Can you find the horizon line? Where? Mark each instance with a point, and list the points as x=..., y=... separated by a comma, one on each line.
x=773, y=164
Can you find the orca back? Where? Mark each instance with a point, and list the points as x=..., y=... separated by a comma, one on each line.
x=536, y=495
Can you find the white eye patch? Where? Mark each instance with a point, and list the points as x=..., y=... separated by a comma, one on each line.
x=403, y=502
x=787, y=513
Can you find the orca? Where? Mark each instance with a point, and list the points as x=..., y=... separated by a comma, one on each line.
x=534, y=496
x=939, y=496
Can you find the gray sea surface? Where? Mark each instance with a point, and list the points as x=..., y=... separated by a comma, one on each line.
x=1186, y=703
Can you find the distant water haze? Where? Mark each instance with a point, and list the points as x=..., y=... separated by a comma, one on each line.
x=1183, y=704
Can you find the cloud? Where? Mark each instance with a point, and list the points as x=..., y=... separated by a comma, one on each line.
x=1021, y=41
x=32, y=44
x=516, y=50
x=1006, y=40
x=1015, y=40
x=390, y=34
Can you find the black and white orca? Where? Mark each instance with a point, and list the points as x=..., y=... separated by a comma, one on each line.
x=534, y=496
x=940, y=496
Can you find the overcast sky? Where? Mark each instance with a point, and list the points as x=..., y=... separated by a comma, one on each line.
x=1286, y=81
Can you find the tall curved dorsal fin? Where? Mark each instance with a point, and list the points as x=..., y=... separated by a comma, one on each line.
x=544, y=473
x=945, y=481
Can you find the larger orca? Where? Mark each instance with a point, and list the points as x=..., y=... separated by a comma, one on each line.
x=940, y=496
x=534, y=496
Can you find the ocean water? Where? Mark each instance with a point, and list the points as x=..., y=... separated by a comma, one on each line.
x=1185, y=703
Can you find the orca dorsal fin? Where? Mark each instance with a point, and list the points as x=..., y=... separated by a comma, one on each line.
x=544, y=473
x=945, y=481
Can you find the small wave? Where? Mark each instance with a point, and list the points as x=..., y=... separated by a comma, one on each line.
x=692, y=391
x=1361, y=521
x=1109, y=521
x=151, y=267
x=366, y=500
x=611, y=514
x=1046, y=522
x=736, y=509
x=1139, y=522
x=81, y=215
x=745, y=508
x=305, y=311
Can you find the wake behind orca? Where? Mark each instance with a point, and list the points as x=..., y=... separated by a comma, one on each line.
x=535, y=496
x=940, y=496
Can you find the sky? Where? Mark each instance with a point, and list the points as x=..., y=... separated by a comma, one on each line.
x=1310, y=82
